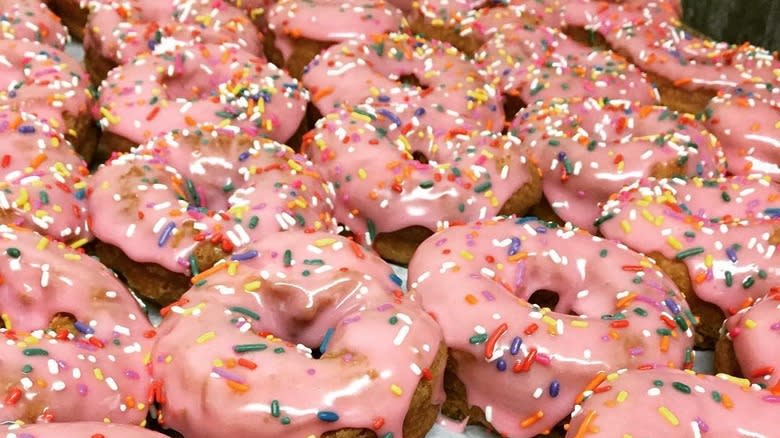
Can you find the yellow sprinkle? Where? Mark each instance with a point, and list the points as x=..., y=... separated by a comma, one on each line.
x=625, y=226
x=252, y=286
x=69, y=256
x=622, y=396
x=467, y=255
x=232, y=267
x=147, y=358
x=319, y=243
x=750, y=324
x=112, y=119
x=647, y=215
x=42, y=244
x=395, y=389
x=205, y=337
x=79, y=243
x=579, y=323
x=708, y=260
x=294, y=165
x=98, y=374
x=550, y=321
x=361, y=117
x=219, y=363
x=362, y=173
x=674, y=243
x=745, y=383
x=6, y=321
x=668, y=416
x=23, y=197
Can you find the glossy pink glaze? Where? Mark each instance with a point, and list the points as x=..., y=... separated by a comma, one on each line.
x=523, y=365
x=42, y=180
x=749, y=131
x=753, y=332
x=43, y=81
x=331, y=21
x=78, y=430
x=239, y=187
x=674, y=403
x=96, y=373
x=589, y=149
x=381, y=187
x=452, y=94
x=124, y=29
x=293, y=292
x=720, y=229
x=203, y=84
x=33, y=21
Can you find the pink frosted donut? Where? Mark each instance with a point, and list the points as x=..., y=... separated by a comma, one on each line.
x=451, y=94
x=299, y=28
x=203, y=84
x=673, y=403
x=48, y=83
x=724, y=232
x=385, y=187
x=31, y=20
x=590, y=148
x=187, y=189
x=523, y=365
x=246, y=335
x=43, y=182
x=74, y=339
x=749, y=131
x=78, y=430
x=120, y=30
x=753, y=332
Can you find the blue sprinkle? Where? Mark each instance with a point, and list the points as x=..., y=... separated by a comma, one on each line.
x=80, y=193
x=555, y=388
x=390, y=115
x=514, y=348
x=26, y=129
x=328, y=416
x=383, y=98
x=396, y=279
x=732, y=254
x=541, y=230
x=244, y=255
x=419, y=112
x=525, y=219
x=83, y=328
x=673, y=307
x=699, y=169
x=561, y=156
x=501, y=365
x=243, y=156
x=151, y=44
x=772, y=212
x=514, y=247
x=326, y=340
x=166, y=234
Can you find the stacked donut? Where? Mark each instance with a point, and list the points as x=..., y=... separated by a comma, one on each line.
x=583, y=192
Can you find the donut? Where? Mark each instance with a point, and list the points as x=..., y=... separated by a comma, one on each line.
x=204, y=84
x=444, y=89
x=43, y=182
x=73, y=14
x=74, y=339
x=746, y=346
x=248, y=333
x=665, y=402
x=395, y=186
x=185, y=200
x=590, y=148
x=31, y=20
x=751, y=148
x=299, y=29
x=687, y=69
x=516, y=367
x=120, y=30
x=48, y=83
x=78, y=430
x=716, y=237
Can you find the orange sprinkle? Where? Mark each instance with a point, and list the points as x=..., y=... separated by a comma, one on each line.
x=682, y=81
x=727, y=402
x=600, y=377
x=38, y=160
x=208, y=272
x=471, y=299
x=240, y=387
x=586, y=423
x=321, y=93
x=532, y=419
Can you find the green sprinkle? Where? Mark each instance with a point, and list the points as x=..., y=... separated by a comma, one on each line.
x=27, y=369
x=227, y=188
x=306, y=273
x=285, y=420
x=275, y=408
x=200, y=283
x=554, y=142
x=279, y=350
x=393, y=320
x=44, y=197
x=664, y=332
x=682, y=387
x=246, y=348
x=427, y=184
x=729, y=278
x=287, y=258
x=762, y=274
x=690, y=252
x=592, y=145
x=747, y=282
x=725, y=196
x=478, y=339
x=680, y=321
x=253, y=222
x=192, y=192
x=716, y=396
x=603, y=219
x=246, y=312
x=314, y=262
x=689, y=234
x=13, y=252
x=371, y=229
x=658, y=383
x=483, y=187
x=603, y=253
x=194, y=265
x=35, y=352
x=640, y=311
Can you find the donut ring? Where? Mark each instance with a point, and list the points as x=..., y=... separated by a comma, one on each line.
x=76, y=430
x=204, y=84
x=185, y=200
x=519, y=365
x=666, y=402
x=43, y=182
x=451, y=94
x=393, y=198
x=74, y=339
x=590, y=148
x=31, y=20
x=716, y=237
x=117, y=32
x=51, y=85
x=382, y=358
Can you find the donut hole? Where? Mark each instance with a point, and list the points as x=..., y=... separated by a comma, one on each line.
x=411, y=80
x=63, y=321
x=419, y=156
x=545, y=298
x=513, y=103
x=189, y=85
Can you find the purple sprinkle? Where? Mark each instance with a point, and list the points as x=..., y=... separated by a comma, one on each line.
x=555, y=388
x=243, y=156
x=311, y=371
x=82, y=389
x=132, y=374
x=519, y=273
x=26, y=129
x=244, y=255
x=775, y=326
x=731, y=254
x=228, y=375
x=501, y=365
x=441, y=241
x=702, y=425
x=83, y=328
x=488, y=296
x=166, y=234
x=347, y=321
x=772, y=398
x=514, y=348
x=636, y=351
x=384, y=307
x=673, y=306
x=541, y=230
x=514, y=247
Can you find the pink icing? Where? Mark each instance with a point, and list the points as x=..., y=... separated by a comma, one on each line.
x=42, y=80
x=589, y=149
x=245, y=338
x=753, y=332
x=79, y=430
x=452, y=95
x=159, y=203
x=381, y=187
x=330, y=21
x=31, y=20
x=42, y=179
x=203, y=84
x=749, y=130
x=524, y=365
x=94, y=374
x=720, y=229
x=124, y=29
x=665, y=402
